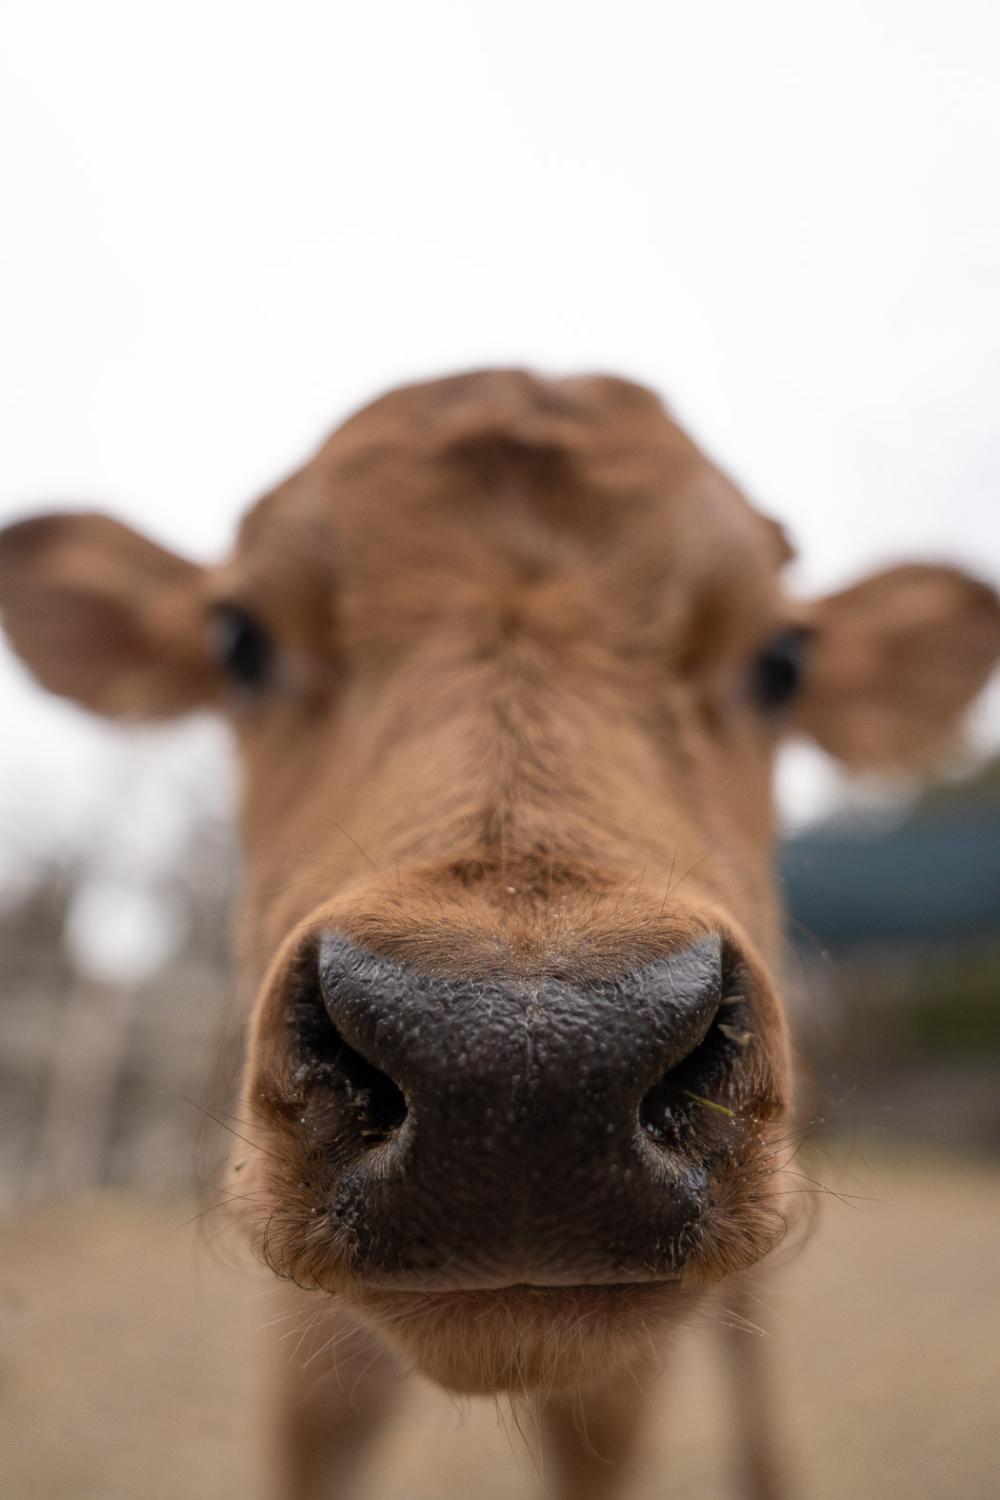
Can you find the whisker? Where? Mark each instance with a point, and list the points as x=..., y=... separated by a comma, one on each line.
x=219, y=1121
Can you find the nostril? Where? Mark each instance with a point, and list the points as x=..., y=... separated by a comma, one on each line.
x=668, y=1104
x=700, y=1084
x=374, y=1102
x=379, y=1102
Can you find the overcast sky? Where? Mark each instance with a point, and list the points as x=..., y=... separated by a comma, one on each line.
x=226, y=224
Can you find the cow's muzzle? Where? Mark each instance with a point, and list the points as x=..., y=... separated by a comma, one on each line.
x=532, y=1131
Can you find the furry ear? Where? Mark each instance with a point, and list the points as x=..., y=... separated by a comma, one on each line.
x=103, y=615
x=897, y=660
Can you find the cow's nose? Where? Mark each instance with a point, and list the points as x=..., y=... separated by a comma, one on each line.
x=517, y=1129
x=510, y=1051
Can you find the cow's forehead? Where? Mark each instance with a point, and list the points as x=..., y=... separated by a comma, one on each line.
x=496, y=471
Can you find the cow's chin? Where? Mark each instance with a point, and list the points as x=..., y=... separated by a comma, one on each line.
x=522, y=1339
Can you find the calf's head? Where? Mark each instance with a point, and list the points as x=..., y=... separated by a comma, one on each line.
x=507, y=664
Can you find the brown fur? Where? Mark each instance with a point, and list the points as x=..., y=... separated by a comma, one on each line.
x=510, y=733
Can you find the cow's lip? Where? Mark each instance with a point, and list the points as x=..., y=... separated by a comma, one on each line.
x=555, y=1290
x=487, y=1285
x=528, y=1295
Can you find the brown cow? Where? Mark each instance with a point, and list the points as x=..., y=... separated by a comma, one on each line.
x=507, y=663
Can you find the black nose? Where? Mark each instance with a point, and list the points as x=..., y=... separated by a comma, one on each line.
x=517, y=1130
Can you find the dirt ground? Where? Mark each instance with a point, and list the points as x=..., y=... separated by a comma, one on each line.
x=129, y=1369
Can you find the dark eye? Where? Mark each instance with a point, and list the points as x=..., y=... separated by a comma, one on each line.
x=778, y=671
x=241, y=645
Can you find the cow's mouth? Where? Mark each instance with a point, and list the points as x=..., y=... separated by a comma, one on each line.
x=522, y=1337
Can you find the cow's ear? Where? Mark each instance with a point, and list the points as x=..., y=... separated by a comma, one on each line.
x=896, y=661
x=103, y=615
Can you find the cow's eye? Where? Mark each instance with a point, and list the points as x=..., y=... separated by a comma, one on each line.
x=778, y=671
x=242, y=646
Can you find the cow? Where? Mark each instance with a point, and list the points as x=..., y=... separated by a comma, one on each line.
x=507, y=665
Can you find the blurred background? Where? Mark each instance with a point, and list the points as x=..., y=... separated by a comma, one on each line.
x=224, y=227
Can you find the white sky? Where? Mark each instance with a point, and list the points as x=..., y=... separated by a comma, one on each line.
x=225, y=224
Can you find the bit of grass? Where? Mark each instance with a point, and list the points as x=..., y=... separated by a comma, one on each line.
x=722, y=1109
